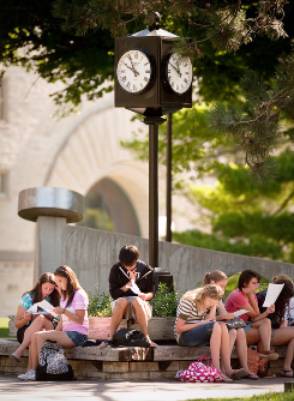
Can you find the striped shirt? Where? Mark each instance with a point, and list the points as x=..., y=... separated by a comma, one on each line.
x=187, y=310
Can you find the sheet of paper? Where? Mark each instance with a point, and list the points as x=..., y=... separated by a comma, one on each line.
x=273, y=291
x=240, y=312
x=135, y=288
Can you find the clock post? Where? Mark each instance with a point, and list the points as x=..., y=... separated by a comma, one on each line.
x=153, y=79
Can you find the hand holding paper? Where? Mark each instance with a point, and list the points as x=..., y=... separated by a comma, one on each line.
x=135, y=288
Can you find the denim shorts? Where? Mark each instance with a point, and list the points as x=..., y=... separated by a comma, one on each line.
x=76, y=337
x=248, y=327
x=197, y=336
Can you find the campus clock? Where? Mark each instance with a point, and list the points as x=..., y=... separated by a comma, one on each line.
x=179, y=73
x=134, y=71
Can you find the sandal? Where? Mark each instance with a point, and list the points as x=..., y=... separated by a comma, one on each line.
x=239, y=374
x=252, y=376
x=15, y=357
x=286, y=373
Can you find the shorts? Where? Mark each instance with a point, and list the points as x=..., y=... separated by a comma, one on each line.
x=76, y=337
x=197, y=336
x=248, y=327
x=130, y=312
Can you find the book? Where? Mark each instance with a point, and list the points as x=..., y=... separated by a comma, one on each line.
x=42, y=307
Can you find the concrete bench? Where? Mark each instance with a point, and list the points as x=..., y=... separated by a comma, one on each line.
x=126, y=363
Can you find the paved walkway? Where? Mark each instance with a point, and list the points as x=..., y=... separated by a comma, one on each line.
x=12, y=389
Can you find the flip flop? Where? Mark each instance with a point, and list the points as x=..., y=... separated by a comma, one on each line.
x=240, y=374
x=286, y=373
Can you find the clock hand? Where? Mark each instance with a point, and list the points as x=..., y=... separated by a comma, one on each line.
x=133, y=68
x=176, y=69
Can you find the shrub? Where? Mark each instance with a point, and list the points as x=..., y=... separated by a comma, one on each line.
x=165, y=302
x=99, y=305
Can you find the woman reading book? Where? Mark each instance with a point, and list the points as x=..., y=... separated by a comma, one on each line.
x=27, y=322
x=72, y=329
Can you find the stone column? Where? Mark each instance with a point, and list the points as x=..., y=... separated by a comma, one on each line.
x=51, y=208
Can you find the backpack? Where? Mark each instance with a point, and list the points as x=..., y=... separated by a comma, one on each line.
x=199, y=372
x=53, y=364
x=132, y=338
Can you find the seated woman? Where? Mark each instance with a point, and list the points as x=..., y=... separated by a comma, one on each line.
x=281, y=333
x=28, y=323
x=237, y=336
x=196, y=325
x=72, y=330
x=258, y=326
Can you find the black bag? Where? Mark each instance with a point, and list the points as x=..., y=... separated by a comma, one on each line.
x=235, y=324
x=132, y=338
x=53, y=364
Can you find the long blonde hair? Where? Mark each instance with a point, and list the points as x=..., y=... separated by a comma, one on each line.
x=208, y=291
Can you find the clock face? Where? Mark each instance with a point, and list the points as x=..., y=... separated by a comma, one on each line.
x=179, y=73
x=133, y=71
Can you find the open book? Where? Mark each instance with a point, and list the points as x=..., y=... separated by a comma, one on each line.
x=272, y=294
x=42, y=308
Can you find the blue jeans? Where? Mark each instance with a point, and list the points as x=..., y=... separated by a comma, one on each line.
x=197, y=336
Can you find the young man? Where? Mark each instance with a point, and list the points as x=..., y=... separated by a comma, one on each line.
x=131, y=282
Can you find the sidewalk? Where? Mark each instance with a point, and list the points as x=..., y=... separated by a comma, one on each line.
x=12, y=389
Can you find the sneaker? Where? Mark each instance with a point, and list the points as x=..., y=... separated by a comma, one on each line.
x=269, y=355
x=29, y=375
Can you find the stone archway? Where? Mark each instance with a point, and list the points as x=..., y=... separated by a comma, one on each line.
x=109, y=198
x=92, y=154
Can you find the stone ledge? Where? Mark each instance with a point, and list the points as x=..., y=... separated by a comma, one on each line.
x=125, y=363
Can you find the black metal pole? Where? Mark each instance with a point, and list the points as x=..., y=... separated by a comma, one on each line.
x=153, y=122
x=153, y=194
x=168, y=236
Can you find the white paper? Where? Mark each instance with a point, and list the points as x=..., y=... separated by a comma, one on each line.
x=45, y=305
x=273, y=291
x=135, y=289
x=240, y=312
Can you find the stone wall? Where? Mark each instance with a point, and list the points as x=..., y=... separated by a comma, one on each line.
x=91, y=253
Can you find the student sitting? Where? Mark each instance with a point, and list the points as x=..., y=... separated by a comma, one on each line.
x=131, y=283
x=237, y=336
x=72, y=330
x=28, y=323
x=196, y=325
x=281, y=333
x=258, y=326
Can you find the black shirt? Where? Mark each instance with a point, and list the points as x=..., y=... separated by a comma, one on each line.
x=118, y=277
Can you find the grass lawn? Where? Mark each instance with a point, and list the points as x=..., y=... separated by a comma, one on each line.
x=266, y=397
x=4, y=327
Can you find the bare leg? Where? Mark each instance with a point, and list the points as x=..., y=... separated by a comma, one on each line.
x=117, y=314
x=215, y=345
x=264, y=327
x=284, y=336
x=232, y=339
x=241, y=345
x=140, y=316
x=39, y=338
x=37, y=325
x=225, y=350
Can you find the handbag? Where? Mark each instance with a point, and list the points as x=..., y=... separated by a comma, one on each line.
x=199, y=372
x=235, y=324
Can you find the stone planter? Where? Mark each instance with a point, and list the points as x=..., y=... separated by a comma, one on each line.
x=160, y=328
x=11, y=326
x=99, y=328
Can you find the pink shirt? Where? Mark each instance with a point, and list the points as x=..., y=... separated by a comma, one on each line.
x=235, y=301
x=80, y=301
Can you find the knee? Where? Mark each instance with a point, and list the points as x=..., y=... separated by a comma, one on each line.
x=267, y=323
x=121, y=304
x=233, y=334
x=136, y=303
x=241, y=335
x=40, y=320
x=217, y=328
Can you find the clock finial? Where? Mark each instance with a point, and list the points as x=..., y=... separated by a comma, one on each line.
x=153, y=20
